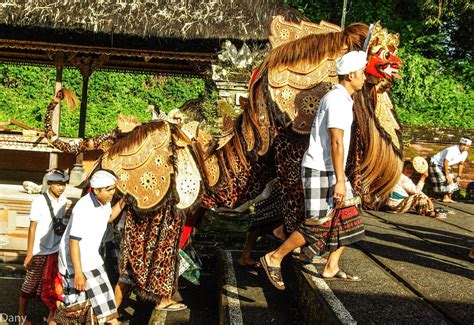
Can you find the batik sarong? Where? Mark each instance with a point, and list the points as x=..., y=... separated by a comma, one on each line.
x=417, y=202
x=345, y=228
x=267, y=211
x=33, y=284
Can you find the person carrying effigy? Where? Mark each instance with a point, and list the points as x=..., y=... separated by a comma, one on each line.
x=325, y=185
x=44, y=235
x=445, y=183
x=86, y=293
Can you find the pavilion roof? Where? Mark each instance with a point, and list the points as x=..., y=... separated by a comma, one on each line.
x=166, y=36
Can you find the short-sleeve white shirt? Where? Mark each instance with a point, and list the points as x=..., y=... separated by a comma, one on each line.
x=87, y=225
x=46, y=241
x=452, y=154
x=335, y=111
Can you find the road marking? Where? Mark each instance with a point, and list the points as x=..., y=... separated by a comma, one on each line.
x=235, y=312
x=336, y=305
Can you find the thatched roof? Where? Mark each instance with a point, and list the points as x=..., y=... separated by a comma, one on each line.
x=187, y=19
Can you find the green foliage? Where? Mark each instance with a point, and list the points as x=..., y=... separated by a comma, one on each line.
x=430, y=94
x=26, y=91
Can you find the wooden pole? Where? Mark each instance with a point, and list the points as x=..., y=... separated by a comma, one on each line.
x=59, y=63
x=344, y=9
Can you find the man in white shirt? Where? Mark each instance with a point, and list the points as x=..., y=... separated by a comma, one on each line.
x=444, y=182
x=43, y=241
x=324, y=181
x=80, y=264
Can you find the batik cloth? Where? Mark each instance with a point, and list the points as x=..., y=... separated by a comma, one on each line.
x=440, y=184
x=98, y=291
x=267, y=211
x=33, y=284
x=345, y=228
x=418, y=202
x=318, y=187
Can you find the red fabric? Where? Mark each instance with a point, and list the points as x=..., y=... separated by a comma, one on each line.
x=52, y=283
x=185, y=236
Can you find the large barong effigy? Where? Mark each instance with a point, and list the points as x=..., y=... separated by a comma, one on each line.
x=166, y=170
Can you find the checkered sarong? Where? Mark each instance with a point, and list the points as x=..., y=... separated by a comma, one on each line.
x=318, y=189
x=98, y=291
x=440, y=184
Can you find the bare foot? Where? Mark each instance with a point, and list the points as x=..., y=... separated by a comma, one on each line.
x=247, y=261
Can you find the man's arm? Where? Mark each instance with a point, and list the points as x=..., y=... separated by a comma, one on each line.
x=31, y=241
x=460, y=170
x=116, y=209
x=446, y=171
x=337, y=155
x=75, y=253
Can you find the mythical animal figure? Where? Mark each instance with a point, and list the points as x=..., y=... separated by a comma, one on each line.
x=165, y=170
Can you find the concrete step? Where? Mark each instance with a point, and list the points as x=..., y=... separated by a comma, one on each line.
x=247, y=297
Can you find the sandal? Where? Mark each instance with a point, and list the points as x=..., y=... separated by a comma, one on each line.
x=273, y=273
x=342, y=276
x=177, y=307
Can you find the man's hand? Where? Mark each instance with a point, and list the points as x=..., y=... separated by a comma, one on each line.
x=28, y=259
x=339, y=192
x=79, y=281
x=449, y=179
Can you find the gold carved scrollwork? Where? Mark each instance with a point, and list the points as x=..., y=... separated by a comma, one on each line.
x=144, y=170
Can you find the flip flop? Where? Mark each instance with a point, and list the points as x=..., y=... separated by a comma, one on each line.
x=342, y=276
x=170, y=307
x=273, y=274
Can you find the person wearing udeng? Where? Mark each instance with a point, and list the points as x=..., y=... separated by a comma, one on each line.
x=47, y=211
x=324, y=181
x=81, y=267
x=444, y=182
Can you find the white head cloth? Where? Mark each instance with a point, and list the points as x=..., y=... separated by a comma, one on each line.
x=102, y=179
x=465, y=141
x=351, y=62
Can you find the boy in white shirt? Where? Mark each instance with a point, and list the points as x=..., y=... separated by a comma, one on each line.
x=80, y=264
x=444, y=182
x=43, y=240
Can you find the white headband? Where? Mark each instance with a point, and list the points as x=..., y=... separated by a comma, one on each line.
x=351, y=62
x=102, y=179
x=465, y=141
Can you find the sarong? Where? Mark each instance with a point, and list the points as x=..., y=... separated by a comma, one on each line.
x=150, y=248
x=267, y=211
x=418, y=202
x=318, y=189
x=33, y=284
x=440, y=184
x=99, y=294
x=345, y=228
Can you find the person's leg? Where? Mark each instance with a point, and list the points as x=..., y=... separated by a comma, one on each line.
x=279, y=232
x=121, y=290
x=332, y=265
x=275, y=257
x=22, y=304
x=250, y=242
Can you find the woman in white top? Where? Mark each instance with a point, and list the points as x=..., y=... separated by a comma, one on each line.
x=407, y=196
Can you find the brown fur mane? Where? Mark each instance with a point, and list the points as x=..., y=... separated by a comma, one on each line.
x=315, y=47
x=136, y=136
